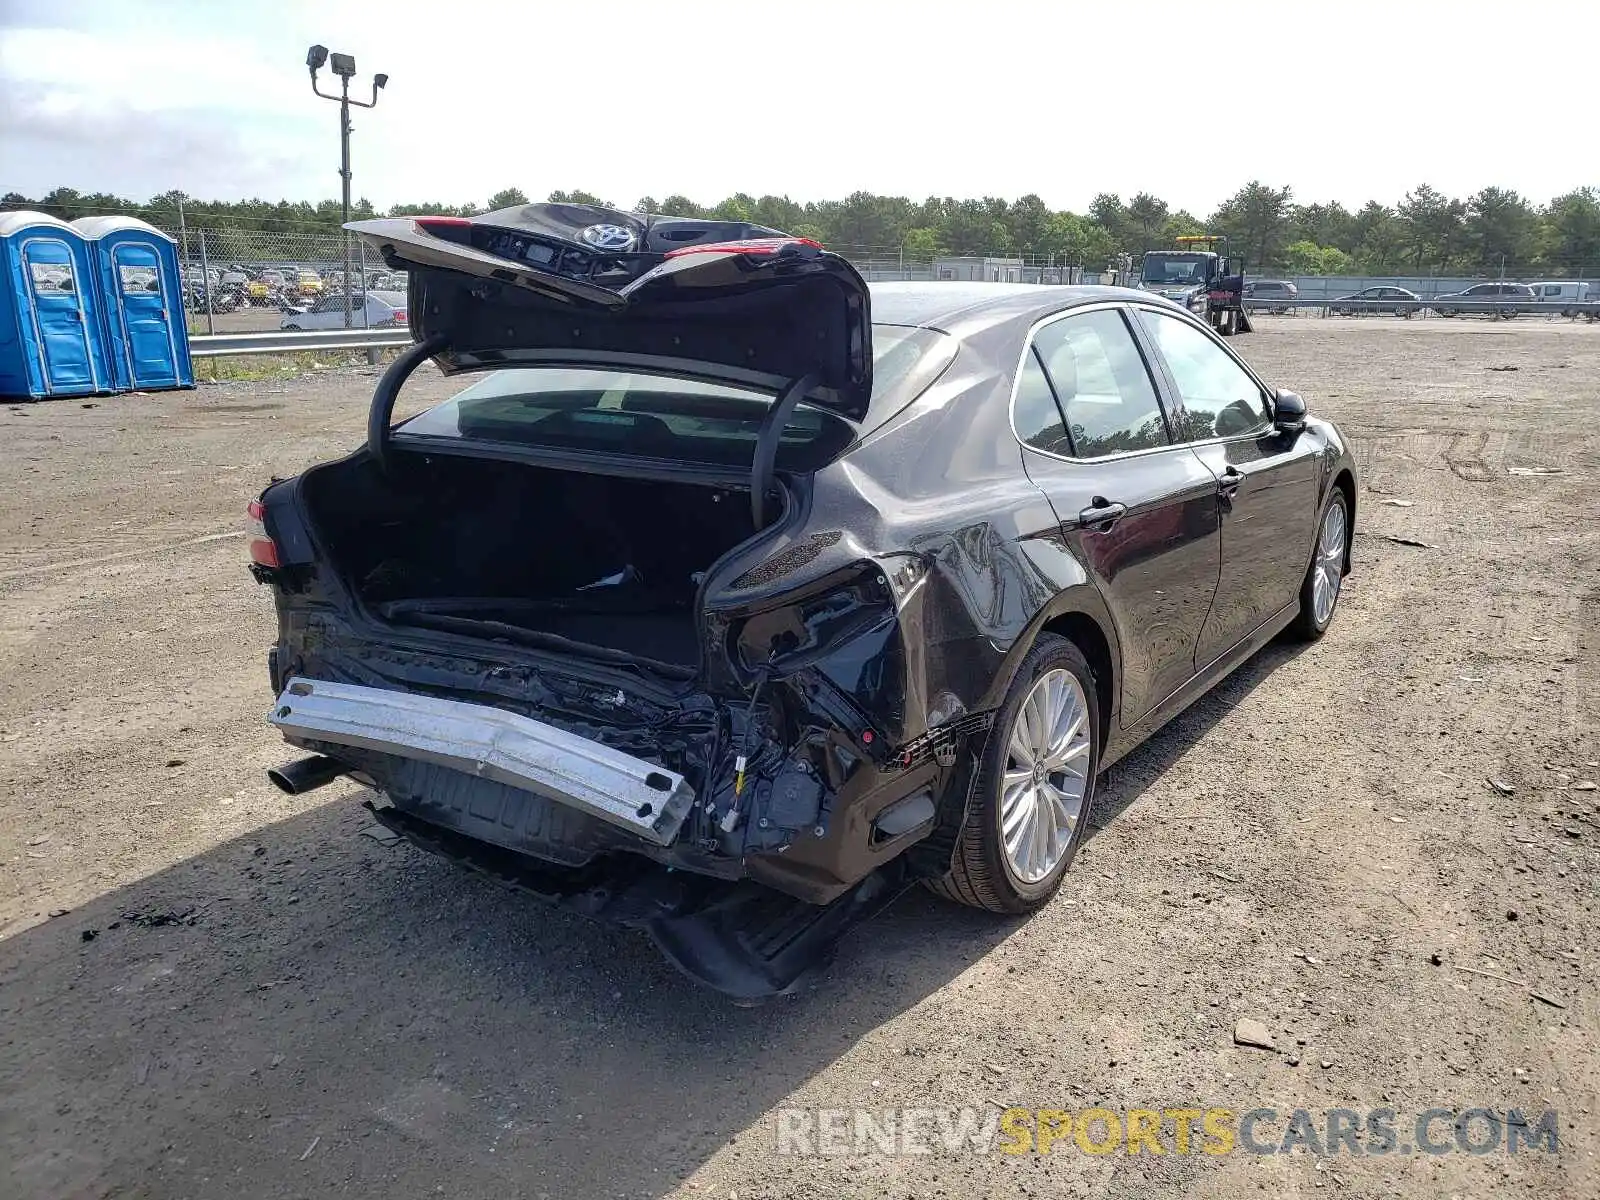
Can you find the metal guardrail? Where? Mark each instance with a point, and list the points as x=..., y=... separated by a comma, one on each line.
x=1582, y=308
x=290, y=340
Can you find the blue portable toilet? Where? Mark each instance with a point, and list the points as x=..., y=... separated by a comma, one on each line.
x=51, y=339
x=141, y=302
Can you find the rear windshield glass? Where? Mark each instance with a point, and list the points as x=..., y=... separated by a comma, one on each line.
x=686, y=420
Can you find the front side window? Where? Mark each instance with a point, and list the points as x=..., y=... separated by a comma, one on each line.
x=1100, y=378
x=1220, y=399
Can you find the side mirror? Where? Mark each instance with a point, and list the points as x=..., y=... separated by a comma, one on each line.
x=1288, y=412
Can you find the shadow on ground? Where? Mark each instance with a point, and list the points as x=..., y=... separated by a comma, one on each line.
x=311, y=1011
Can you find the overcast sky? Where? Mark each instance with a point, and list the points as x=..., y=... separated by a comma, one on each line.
x=1344, y=100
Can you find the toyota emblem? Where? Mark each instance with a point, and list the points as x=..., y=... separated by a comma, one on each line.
x=608, y=237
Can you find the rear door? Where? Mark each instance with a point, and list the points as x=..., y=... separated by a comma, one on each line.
x=60, y=316
x=145, y=313
x=1268, y=481
x=1139, y=511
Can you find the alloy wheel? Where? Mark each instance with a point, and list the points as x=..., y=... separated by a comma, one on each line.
x=1048, y=758
x=1330, y=564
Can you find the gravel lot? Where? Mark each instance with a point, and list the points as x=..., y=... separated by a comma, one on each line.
x=209, y=989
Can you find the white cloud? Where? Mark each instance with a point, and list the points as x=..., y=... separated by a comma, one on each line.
x=1347, y=101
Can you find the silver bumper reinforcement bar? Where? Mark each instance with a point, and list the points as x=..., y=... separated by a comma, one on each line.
x=625, y=791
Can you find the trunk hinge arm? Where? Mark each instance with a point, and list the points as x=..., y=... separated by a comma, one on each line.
x=767, y=439
x=388, y=389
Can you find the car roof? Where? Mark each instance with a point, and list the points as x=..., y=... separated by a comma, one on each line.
x=957, y=307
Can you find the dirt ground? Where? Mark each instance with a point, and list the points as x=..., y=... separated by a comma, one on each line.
x=209, y=989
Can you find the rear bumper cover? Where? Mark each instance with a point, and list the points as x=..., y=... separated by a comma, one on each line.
x=641, y=797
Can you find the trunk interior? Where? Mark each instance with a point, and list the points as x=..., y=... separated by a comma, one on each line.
x=498, y=549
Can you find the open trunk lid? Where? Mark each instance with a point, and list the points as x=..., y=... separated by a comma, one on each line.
x=581, y=285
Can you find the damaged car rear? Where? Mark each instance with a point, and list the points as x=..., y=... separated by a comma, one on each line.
x=694, y=610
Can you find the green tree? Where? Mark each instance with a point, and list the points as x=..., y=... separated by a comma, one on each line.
x=1501, y=230
x=1028, y=225
x=507, y=198
x=1571, y=232
x=578, y=198
x=1146, y=219
x=1434, y=227
x=1107, y=211
x=1256, y=220
x=1325, y=224
x=778, y=212
x=1305, y=257
x=739, y=207
x=1379, y=238
x=922, y=245
x=681, y=206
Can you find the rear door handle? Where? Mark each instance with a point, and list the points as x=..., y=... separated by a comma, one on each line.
x=1101, y=514
x=1228, y=485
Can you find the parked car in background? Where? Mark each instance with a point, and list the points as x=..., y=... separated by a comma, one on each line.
x=1263, y=291
x=732, y=596
x=1500, y=299
x=307, y=283
x=234, y=289
x=1397, y=300
x=383, y=310
x=1570, y=294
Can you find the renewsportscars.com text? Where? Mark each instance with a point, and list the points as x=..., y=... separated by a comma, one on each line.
x=1167, y=1130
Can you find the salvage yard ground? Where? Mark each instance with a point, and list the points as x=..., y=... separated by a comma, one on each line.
x=1379, y=847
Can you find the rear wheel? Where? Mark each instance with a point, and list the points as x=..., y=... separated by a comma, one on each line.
x=1319, y=593
x=1035, y=787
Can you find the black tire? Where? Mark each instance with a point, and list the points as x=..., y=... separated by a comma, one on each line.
x=292, y=328
x=1402, y=312
x=980, y=876
x=1306, y=626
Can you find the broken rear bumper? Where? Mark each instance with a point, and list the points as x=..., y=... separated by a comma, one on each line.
x=741, y=939
x=640, y=797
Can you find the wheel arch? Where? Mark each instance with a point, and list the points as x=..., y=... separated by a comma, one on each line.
x=1079, y=615
x=1085, y=633
x=1345, y=481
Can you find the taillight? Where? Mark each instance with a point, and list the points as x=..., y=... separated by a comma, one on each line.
x=263, y=550
x=755, y=246
x=449, y=229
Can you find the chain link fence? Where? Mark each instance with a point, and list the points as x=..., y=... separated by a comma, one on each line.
x=252, y=280
x=240, y=280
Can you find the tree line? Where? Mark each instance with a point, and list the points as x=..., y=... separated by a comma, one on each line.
x=1495, y=231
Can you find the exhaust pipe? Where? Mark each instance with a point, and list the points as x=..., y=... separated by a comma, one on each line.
x=304, y=774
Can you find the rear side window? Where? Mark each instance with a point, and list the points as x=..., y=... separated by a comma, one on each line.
x=1101, y=381
x=1038, y=418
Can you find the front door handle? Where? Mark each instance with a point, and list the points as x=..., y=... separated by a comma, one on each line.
x=1228, y=485
x=1101, y=514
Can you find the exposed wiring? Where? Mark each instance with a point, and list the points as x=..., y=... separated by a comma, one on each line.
x=730, y=820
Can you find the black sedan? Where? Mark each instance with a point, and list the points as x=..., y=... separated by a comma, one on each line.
x=1387, y=299
x=734, y=596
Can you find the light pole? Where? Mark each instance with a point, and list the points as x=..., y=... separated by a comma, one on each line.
x=344, y=66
